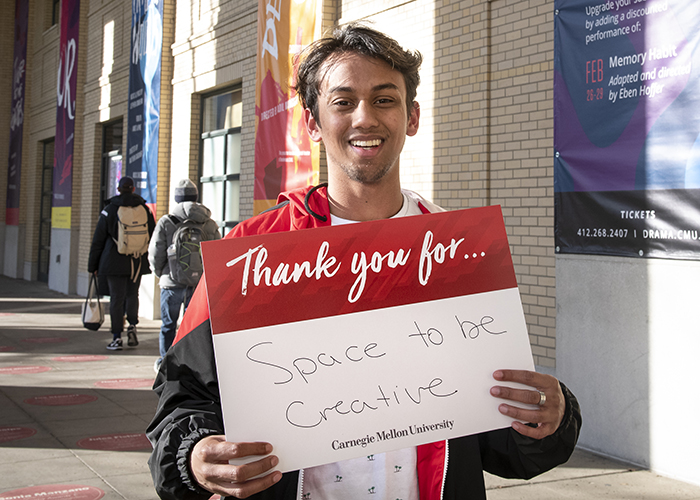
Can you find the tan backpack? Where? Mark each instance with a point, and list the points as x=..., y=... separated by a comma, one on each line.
x=132, y=238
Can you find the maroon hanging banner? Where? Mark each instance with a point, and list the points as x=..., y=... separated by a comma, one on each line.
x=19, y=78
x=67, y=86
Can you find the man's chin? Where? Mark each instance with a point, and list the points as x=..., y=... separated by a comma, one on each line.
x=368, y=175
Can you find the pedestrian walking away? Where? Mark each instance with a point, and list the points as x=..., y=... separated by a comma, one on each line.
x=175, y=257
x=119, y=257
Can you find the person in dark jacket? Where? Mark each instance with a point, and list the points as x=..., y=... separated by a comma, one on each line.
x=358, y=89
x=121, y=272
x=173, y=294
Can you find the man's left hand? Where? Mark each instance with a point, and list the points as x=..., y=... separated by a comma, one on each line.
x=547, y=417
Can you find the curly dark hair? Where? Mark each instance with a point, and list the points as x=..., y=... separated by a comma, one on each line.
x=354, y=38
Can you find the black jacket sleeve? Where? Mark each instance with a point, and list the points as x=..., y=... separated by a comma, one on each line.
x=99, y=239
x=188, y=410
x=508, y=454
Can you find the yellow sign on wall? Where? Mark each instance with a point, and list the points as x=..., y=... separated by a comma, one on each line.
x=60, y=217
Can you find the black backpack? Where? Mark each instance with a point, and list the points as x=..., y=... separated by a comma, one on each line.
x=184, y=253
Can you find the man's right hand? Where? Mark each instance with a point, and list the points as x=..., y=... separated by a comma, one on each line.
x=209, y=463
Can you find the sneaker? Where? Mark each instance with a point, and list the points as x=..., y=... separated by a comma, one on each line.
x=115, y=345
x=131, y=333
x=156, y=365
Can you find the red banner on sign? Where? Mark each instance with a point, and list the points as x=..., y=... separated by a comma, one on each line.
x=281, y=278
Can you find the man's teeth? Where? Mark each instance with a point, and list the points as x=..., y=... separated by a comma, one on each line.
x=366, y=144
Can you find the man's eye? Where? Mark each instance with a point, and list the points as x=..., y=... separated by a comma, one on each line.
x=385, y=100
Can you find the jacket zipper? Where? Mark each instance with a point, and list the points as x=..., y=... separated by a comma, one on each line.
x=300, y=484
x=444, y=470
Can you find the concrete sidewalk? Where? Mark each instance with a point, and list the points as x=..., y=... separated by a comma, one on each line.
x=73, y=415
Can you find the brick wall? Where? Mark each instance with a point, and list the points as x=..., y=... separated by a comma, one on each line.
x=486, y=125
x=214, y=49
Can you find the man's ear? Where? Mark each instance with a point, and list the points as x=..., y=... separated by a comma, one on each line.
x=413, y=120
x=312, y=126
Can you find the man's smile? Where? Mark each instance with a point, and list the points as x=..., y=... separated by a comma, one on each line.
x=366, y=144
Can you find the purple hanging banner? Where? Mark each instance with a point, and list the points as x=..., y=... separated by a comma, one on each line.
x=19, y=77
x=627, y=128
x=67, y=86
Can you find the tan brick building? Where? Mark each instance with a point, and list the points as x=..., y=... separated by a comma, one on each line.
x=486, y=122
x=485, y=138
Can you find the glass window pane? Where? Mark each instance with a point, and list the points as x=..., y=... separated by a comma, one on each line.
x=213, y=156
x=232, y=200
x=48, y=155
x=210, y=117
x=114, y=173
x=46, y=209
x=233, y=160
x=222, y=112
x=237, y=111
x=212, y=198
x=113, y=137
x=47, y=180
x=45, y=236
x=207, y=155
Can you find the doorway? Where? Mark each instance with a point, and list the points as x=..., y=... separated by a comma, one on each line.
x=45, y=211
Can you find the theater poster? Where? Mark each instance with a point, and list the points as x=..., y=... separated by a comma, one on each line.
x=144, y=97
x=19, y=79
x=66, y=90
x=285, y=156
x=627, y=127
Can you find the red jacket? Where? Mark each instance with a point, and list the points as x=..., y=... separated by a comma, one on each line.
x=189, y=407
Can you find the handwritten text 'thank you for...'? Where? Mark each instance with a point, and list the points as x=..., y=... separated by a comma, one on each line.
x=326, y=266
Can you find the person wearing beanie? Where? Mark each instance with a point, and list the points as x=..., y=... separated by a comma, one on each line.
x=119, y=274
x=186, y=191
x=174, y=294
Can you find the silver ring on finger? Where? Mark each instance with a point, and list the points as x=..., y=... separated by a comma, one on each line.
x=543, y=398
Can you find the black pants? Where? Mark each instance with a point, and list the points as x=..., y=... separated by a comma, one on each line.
x=123, y=297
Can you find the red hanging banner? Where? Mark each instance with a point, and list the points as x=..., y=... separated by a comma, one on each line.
x=285, y=157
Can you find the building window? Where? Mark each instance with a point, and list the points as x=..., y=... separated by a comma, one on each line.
x=55, y=11
x=112, y=139
x=221, y=156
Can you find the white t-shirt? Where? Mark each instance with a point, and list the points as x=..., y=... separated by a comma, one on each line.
x=409, y=207
x=385, y=476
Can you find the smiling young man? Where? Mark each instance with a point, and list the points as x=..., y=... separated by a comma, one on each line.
x=358, y=87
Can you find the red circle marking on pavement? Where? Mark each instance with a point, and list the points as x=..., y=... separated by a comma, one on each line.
x=116, y=442
x=77, y=358
x=45, y=340
x=125, y=383
x=56, y=492
x=7, y=314
x=7, y=348
x=12, y=433
x=61, y=399
x=22, y=370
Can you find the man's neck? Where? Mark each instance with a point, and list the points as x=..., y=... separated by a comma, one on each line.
x=363, y=202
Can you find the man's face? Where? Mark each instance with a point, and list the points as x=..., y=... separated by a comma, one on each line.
x=362, y=118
